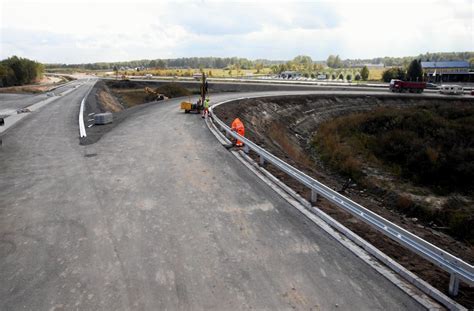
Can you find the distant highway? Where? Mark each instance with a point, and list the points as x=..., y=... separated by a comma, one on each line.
x=157, y=215
x=247, y=85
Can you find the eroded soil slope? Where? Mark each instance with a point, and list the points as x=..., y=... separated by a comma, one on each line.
x=285, y=126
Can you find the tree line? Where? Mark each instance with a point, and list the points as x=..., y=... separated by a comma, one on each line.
x=19, y=71
x=334, y=61
x=184, y=62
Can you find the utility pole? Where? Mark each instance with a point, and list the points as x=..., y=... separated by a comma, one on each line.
x=203, y=87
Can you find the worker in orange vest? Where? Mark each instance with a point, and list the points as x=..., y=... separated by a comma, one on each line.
x=238, y=126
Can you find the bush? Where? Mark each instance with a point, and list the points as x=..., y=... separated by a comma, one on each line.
x=364, y=74
x=457, y=214
x=19, y=71
x=349, y=77
x=393, y=73
x=431, y=146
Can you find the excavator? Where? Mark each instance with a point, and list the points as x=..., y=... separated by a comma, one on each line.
x=197, y=107
x=154, y=95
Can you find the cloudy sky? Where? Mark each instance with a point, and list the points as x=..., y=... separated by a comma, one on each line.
x=83, y=31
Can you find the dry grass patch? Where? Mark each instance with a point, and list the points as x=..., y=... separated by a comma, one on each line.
x=280, y=137
x=427, y=147
x=375, y=74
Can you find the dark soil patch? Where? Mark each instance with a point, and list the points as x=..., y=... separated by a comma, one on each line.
x=172, y=90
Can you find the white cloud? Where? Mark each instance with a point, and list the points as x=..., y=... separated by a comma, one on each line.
x=89, y=31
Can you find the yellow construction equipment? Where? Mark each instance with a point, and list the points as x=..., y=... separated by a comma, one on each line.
x=187, y=106
x=154, y=95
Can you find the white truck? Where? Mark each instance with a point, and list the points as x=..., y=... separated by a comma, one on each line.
x=451, y=89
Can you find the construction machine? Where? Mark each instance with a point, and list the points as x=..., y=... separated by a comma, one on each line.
x=154, y=95
x=188, y=106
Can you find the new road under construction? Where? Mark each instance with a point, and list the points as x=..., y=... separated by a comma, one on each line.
x=110, y=205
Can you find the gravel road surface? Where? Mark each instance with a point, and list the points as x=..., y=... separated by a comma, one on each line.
x=158, y=215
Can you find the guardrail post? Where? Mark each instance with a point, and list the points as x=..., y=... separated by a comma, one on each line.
x=246, y=149
x=314, y=196
x=453, y=285
x=262, y=160
x=227, y=134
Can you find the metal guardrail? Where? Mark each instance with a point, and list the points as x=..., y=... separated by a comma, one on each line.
x=458, y=269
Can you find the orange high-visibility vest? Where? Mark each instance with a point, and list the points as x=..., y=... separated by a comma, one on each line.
x=238, y=126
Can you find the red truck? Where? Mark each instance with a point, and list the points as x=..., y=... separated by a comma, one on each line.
x=406, y=86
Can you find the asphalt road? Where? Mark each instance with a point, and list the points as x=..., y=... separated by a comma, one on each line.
x=158, y=215
x=272, y=85
x=10, y=103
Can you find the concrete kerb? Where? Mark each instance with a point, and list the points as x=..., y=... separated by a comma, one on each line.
x=82, y=128
x=358, y=246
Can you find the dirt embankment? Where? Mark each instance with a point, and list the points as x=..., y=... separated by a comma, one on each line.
x=133, y=93
x=286, y=125
x=122, y=98
x=44, y=85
